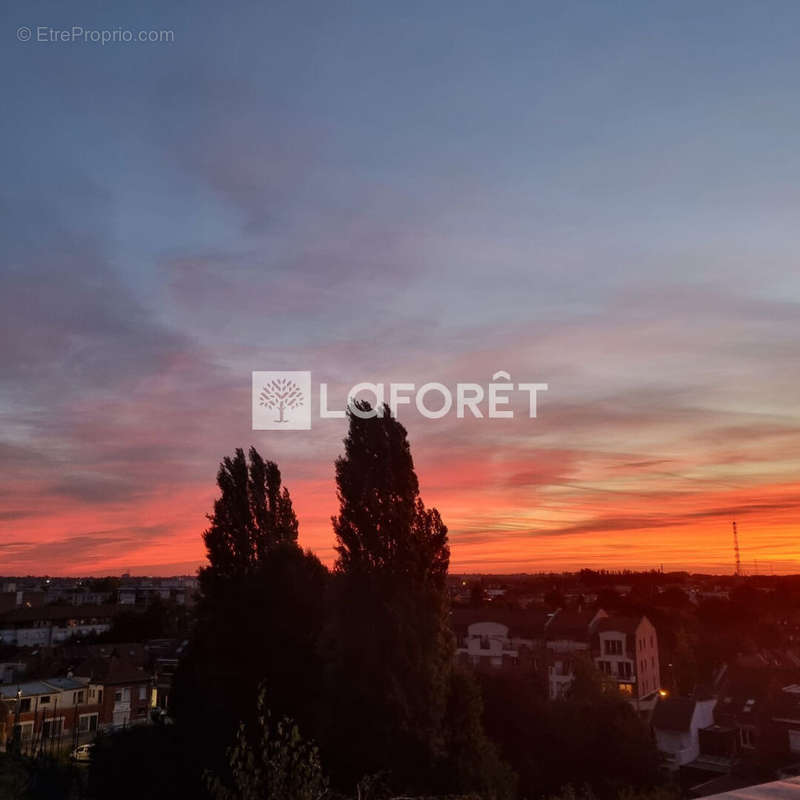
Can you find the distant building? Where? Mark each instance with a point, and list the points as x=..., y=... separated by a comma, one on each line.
x=49, y=625
x=50, y=714
x=625, y=650
x=128, y=690
x=568, y=636
x=785, y=714
x=495, y=637
x=143, y=591
x=57, y=713
x=677, y=722
x=165, y=655
x=19, y=598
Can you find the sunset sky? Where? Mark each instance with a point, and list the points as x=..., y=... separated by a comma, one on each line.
x=601, y=196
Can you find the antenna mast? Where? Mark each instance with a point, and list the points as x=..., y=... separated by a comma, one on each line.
x=736, y=549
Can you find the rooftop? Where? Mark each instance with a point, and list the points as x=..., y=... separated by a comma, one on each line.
x=567, y=624
x=674, y=713
x=529, y=623
x=8, y=691
x=621, y=624
x=111, y=671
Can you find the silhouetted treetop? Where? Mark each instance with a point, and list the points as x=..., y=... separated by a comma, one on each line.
x=382, y=523
x=252, y=515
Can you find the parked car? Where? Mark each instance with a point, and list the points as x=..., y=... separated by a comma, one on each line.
x=82, y=752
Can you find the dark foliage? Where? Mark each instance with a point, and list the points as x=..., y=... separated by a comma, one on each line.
x=591, y=737
x=45, y=777
x=259, y=615
x=271, y=760
x=390, y=678
x=160, y=619
x=151, y=761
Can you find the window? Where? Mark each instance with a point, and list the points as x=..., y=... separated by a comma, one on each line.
x=87, y=723
x=77, y=698
x=24, y=705
x=613, y=647
x=25, y=730
x=626, y=688
x=117, y=697
x=52, y=728
x=44, y=699
x=605, y=667
x=143, y=693
x=625, y=668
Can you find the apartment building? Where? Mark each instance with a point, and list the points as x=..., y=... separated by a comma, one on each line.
x=625, y=650
x=49, y=625
x=498, y=637
x=50, y=714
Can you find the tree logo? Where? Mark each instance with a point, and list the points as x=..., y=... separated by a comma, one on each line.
x=282, y=393
x=281, y=400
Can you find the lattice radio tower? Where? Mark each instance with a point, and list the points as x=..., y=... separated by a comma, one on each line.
x=736, y=549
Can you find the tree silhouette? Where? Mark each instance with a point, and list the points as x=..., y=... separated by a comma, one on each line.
x=258, y=616
x=253, y=514
x=280, y=394
x=391, y=683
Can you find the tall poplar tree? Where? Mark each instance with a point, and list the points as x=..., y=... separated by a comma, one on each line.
x=259, y=614
x=393, y=675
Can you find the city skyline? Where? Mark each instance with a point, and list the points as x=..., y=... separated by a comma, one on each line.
x=599, y=197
